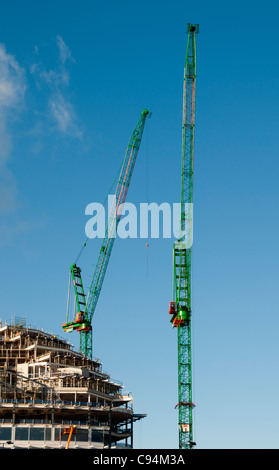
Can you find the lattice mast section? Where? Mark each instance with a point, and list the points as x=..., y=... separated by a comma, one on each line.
x=180, y=308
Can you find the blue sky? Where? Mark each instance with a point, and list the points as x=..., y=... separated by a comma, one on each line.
x=74, y=77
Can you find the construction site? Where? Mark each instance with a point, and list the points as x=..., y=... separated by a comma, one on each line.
x=54, y=397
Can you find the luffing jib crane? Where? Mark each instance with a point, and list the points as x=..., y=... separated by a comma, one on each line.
x=86, y=305
x=180, y=308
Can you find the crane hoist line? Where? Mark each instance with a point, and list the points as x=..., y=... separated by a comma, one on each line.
x=85, y=305
x=180, y=309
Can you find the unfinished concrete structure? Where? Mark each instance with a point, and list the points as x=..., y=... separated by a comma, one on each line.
x=46, y=387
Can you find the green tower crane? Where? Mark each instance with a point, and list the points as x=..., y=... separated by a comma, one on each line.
x=86, y=305
x=180, y=308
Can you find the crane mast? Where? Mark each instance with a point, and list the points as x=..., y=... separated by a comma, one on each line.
x=86, y=308
x=181, y=308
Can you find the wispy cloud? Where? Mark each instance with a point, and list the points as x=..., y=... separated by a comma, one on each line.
x=12, y=80
x=60, y=108
x=12, y=90
x=64, y=115
x=65, y=53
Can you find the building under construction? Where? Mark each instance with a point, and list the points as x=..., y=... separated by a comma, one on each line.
x=54, y=397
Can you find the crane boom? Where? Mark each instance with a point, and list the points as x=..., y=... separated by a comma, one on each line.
x=180, y=308
x=115, y=214
x=86, y=309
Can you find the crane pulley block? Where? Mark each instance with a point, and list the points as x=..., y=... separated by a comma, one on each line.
x=193, y=28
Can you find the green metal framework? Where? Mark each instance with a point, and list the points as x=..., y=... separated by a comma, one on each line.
x=180, y=308
x=83, y=319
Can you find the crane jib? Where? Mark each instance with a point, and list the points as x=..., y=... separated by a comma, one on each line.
x=82, y=321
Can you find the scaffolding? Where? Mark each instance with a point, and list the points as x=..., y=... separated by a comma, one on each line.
x=45, y=386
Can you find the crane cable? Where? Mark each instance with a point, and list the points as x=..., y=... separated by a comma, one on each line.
x=147, y=195
x=84, y=244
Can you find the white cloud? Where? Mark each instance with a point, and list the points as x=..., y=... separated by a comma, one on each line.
x=64, y=115
x=12, y=80
x=12, y=89
x=60, y=108
x=65, y=53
